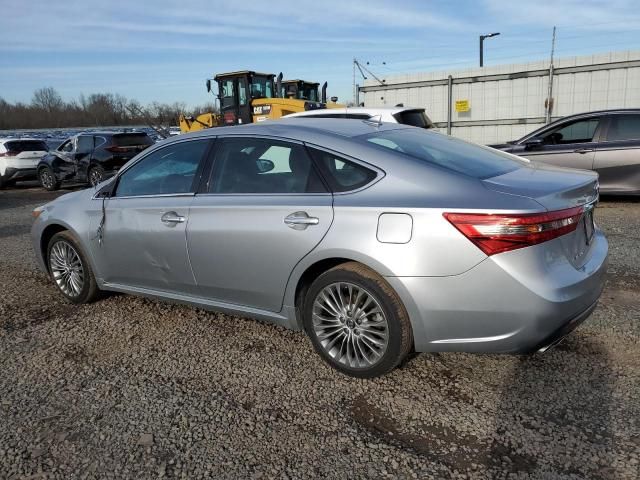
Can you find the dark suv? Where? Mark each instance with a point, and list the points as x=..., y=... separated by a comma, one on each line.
x=90, y=157
x=606, y=141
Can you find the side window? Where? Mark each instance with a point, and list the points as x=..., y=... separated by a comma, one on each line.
x=66, y=146
x=85, y=144
x=342, y=175
x=624, y=127
x=242, y=92
x=248, y=165
x=580, y=131
x=169, y=170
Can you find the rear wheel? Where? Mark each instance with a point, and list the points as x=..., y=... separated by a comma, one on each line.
x=356, y=321
x=70, y=269
x=96, y=174
x=48, y=179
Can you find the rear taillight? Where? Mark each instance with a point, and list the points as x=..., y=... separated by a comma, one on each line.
x=500, y=233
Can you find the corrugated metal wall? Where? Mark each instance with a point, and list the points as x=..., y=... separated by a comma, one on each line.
x=508, y=108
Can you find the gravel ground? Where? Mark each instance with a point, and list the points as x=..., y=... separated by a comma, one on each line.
x=134, y=388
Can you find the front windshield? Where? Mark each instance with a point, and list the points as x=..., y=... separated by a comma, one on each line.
x=261, y=87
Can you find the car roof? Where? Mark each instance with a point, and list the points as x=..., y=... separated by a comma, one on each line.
x=575, y=116
x=19, y=139
x=331, y=127
x=368, y=110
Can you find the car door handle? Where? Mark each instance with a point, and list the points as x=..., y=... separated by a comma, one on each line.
x=583, y=150
x=300, y=220
x=171, y=218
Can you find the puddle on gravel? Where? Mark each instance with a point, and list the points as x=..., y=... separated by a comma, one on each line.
x=438, y=443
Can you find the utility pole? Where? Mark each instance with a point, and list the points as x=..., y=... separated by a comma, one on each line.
x=355, y=94
x=549, y=105
x=482, y=37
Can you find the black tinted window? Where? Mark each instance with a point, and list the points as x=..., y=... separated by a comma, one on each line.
x=26, y=145
x=247, y=165
x=624, y=127
x=169, y=170
x=342, y=174
x=415, y=118
x=132, y=139
x=581, y=131
x=445, y=151
x=85, y=144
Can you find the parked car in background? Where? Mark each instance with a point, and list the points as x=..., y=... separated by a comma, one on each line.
x=375, y=239
x=90, y=157
x=19, y=158
x=606, y=141
x=415, y=117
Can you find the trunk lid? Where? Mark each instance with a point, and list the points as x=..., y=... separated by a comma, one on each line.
x=555, y=188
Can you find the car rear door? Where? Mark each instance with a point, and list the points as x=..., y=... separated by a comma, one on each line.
x=82, y=155
x=617, y=158
x=143, y=244
x=263, y=209
x=571, y=144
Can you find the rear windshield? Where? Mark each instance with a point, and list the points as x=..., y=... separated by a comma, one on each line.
x=447, y=152
x=415, y=118
x=26, y=145
x=132, y=139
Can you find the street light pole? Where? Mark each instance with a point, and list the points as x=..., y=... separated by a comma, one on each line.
x=482, y=37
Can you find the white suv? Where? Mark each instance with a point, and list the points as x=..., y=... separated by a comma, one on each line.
x=409, y=116
x=19, y=158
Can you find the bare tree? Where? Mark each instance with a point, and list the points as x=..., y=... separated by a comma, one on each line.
x=47, y=99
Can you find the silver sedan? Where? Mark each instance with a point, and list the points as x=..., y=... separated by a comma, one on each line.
x=375, y=239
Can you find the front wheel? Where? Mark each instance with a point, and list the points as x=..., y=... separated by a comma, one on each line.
x=70, y=269
x=356, y=322
x=48, y=179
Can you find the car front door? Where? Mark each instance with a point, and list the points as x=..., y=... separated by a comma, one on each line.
x=618, y=154
x=263, y=209
x=64, y=162
x=82, y=156
x=143, y=242
x=571, y=144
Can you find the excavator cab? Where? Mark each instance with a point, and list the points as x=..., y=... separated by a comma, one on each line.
x=300, y=89
x=238, y=90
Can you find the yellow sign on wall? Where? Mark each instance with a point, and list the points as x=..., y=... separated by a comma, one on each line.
x=462, y=105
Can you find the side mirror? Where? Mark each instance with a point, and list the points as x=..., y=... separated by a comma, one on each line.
x=208, y=85
x=533, y=143
x=265, y=166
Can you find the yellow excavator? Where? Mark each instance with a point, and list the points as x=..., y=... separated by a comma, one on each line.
x=248, y=97
x=305, y=90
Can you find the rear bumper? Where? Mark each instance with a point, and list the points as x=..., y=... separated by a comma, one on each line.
x=505, y=304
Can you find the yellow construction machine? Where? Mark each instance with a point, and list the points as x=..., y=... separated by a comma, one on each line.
x=247, y=97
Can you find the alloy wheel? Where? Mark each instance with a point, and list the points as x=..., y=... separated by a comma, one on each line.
x=350, y=325
x=45, y=178
x=66, y=268
x=95, y=177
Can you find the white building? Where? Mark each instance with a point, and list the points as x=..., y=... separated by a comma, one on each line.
x=504, y=102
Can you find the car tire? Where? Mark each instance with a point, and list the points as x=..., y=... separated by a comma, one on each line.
x=95, y=175
x=48, y=179
x=356, y=321
x=70, y=269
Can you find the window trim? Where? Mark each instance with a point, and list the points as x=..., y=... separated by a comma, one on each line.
x=197, y=176
x=211, y=161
